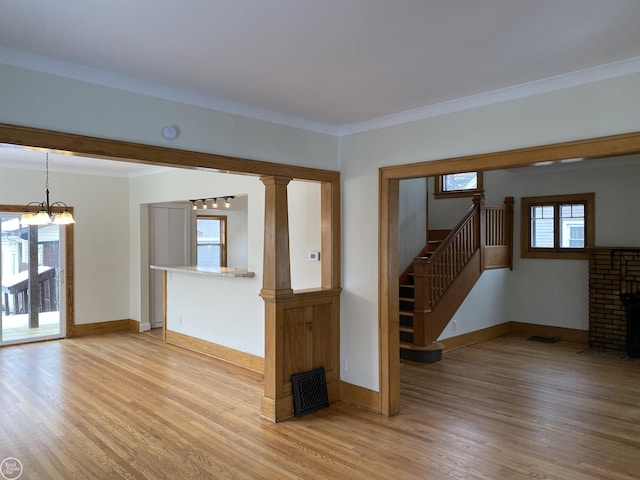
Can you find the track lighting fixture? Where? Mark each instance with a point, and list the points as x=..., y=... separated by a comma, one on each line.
x=210, y=202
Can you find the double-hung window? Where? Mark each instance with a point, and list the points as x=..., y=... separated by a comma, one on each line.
x=560, y=226
x=211, y=240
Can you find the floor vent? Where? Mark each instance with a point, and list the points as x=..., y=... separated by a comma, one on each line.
x=309, y=391
x=537, y=338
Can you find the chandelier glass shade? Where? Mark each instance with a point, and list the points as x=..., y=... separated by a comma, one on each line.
x=45, y=213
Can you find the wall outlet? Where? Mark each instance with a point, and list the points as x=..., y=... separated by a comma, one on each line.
x=179, y=320
x=454, y=325
x=344, y=364
x=313, y=256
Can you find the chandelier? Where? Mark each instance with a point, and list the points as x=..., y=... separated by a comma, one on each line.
x=44, y=213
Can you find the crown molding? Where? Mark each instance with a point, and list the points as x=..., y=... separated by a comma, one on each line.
x=573, y=79
x=98, y=77
x=103, y=78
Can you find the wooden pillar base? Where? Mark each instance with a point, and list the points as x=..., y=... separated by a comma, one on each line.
x=277, y=409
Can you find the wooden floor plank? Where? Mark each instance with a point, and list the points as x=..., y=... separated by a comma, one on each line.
x=129, y=406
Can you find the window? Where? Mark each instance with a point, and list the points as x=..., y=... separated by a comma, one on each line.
x=560, y=226
x=464, y=184
x=211, y=241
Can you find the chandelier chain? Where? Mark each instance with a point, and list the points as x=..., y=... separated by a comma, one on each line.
x=46, y=182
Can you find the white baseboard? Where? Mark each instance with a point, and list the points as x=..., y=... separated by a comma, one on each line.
x=144, y=327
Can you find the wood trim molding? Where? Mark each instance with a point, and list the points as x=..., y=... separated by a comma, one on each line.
x=242, y=359
x=515, y=328
x=101, y=328
x=477, y=336
x=388, y=287
x=360, y=396
x=154, y=155
x=572, y=335
x=601, y=147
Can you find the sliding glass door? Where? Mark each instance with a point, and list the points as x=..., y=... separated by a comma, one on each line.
x=31, y=270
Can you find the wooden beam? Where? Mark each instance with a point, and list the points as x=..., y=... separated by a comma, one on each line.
x=87, y=146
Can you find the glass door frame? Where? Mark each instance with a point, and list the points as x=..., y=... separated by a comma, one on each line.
x=66, y=283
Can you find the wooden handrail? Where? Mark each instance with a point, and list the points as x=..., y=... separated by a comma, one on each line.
x=433, y=275
x=481, y=227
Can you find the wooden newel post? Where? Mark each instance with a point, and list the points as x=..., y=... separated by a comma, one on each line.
x=478, y=201
x=276, y=285
x=509, y=202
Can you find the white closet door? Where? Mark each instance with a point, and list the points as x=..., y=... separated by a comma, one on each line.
x=170, y=236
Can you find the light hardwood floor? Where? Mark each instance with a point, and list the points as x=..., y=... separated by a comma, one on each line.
x=128, y=406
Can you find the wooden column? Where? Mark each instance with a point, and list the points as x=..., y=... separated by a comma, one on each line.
x=389, y=333
x=330, y=225
x=508, y=201
x=277, y=266
x=276, y=284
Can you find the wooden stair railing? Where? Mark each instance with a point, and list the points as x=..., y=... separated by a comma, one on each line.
x=483, y=239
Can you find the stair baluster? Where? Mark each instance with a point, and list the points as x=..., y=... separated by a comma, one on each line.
x=482, y=239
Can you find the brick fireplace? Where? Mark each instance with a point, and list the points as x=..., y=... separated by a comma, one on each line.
x=614, y=291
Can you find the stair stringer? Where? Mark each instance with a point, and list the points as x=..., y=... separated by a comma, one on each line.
x=428, y=325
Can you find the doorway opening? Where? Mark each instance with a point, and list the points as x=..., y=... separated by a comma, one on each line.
x=389, y=198
x=32, y=273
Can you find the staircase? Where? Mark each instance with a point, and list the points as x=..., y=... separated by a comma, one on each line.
x=434, y=286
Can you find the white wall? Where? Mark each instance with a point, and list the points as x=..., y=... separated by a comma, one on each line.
x=412, y=223
x=45, y=101
x=304, y=215
x=225, y=311
x=111, y=274
x=178, y=185
x=238, y=233
x=598, y=109
x=444, y=213
x=101, y=234
x=556, y=292
x=230, y=312
x=592, y=110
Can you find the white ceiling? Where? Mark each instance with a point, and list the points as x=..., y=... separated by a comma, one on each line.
x=335, y=66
